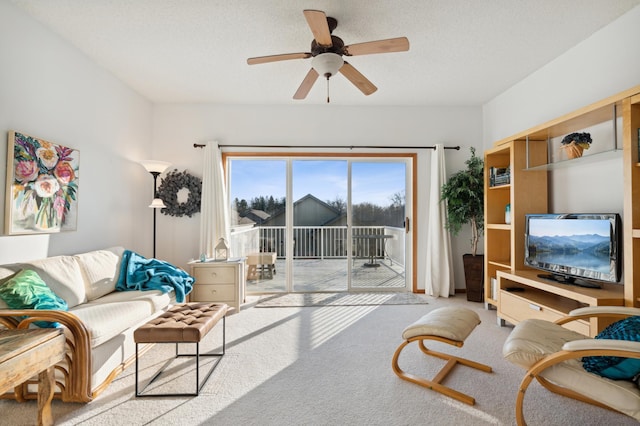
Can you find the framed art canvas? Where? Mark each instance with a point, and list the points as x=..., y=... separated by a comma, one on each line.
x=42, y=186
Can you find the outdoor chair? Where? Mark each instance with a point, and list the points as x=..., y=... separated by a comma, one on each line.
x=553, y=355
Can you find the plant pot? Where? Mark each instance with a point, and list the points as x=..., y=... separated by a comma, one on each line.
x=474, y=277
x=573, y=150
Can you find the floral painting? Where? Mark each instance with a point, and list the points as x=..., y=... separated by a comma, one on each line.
x=42, y=186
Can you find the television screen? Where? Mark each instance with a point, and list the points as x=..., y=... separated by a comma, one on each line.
x=570, y=246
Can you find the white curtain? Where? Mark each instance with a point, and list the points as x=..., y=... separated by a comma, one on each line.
x=214, y=211
x=439, y=275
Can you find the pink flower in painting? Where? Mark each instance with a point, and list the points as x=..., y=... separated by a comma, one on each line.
x=64, y=172
x=46, y=186
x=58, y=206
x=26, y=171
x=48, y=156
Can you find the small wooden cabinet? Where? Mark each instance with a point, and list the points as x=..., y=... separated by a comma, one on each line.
x=219, y=282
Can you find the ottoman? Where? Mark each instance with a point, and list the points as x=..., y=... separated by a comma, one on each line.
x=183, y=323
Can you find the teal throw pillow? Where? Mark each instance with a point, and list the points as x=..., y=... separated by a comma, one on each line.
x=26, y=290
x=613, y=367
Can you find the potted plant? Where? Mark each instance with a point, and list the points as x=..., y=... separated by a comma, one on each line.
x=464, y=194
x=574, y=143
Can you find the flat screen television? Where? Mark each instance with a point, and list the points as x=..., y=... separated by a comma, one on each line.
x=580, y=249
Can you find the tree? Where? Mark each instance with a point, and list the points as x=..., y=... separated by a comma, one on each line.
x=464, y=194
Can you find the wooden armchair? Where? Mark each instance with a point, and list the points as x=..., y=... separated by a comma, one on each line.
x=552, y=355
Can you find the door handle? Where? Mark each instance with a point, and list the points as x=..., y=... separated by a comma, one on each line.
x=406, y=225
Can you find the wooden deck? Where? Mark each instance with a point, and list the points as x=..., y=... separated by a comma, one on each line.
x=317, y=275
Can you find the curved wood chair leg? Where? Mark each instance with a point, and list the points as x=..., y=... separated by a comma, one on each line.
x=434, y=384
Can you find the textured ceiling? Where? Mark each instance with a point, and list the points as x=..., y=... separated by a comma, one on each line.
x=462, y=52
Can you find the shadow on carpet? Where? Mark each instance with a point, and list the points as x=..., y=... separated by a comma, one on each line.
x=291, y=300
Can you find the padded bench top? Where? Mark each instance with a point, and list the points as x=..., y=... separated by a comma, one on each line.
x=449, y=322
x=186, y=322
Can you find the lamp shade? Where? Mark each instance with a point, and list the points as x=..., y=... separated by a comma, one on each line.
x=157, y=203
x=155, y=166
x=327, y=64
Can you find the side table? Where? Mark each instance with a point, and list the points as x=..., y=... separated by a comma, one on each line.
x=26, y=353
x=219, y=282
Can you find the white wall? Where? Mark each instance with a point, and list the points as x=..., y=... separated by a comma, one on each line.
x=50, y=90
x=601, y=66
x=177, y=127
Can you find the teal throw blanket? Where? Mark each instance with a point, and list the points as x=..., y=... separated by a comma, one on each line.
x=140, y=273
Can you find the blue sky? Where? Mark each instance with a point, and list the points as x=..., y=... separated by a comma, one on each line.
x=545, y=227
x=373, y=182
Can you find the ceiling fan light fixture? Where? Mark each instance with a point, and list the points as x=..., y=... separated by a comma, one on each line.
x=327, y=64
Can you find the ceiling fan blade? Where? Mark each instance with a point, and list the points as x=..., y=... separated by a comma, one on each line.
x=275, y=58
x=399, y=44
x=359, y=80
x=306, y=85
x=317, y=21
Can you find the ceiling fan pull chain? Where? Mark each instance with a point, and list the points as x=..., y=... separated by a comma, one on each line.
x=327, y=88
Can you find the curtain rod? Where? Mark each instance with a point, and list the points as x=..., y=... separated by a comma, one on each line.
x=457, y=148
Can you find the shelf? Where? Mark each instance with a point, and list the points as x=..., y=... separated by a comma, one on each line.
x=503, y=186
x=499, y=226
x=502, y=263
x=586, y=159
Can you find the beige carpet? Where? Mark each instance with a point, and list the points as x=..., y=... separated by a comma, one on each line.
x=325, y=366
x=340, y=299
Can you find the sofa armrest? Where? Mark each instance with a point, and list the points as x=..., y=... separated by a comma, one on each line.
x=77, y=368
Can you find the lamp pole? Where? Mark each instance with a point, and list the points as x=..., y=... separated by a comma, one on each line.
x=155, y=168
x=155, y=209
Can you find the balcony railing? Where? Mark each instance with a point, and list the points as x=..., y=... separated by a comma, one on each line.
x=320, y=242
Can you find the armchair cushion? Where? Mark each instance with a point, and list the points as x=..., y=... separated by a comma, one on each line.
x=614, y=367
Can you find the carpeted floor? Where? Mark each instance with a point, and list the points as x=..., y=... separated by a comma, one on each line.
x=340, y=299
x=327, y=365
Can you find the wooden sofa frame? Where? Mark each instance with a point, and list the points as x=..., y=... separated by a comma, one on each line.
x=74, y=382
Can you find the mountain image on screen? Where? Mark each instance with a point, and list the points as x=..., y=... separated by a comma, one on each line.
x=597, y=245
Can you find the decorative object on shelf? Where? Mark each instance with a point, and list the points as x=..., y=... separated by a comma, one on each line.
x=170, y=188
x=507, y=214
x=499, y=176
x=155, y=168
x=574, y=143
x=464, y=195
x=222, y=250
x=42, y=186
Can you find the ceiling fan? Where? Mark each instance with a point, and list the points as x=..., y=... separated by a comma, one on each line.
x=327, y=51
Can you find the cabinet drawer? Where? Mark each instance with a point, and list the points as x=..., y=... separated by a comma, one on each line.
x=520, y=309
x=216, y=275
x=213, y=293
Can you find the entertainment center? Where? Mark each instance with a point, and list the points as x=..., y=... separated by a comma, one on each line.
x=516, y=290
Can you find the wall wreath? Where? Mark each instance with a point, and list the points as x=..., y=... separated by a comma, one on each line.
x=173, y=183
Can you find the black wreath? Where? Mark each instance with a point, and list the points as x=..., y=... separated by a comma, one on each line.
x=168, y=192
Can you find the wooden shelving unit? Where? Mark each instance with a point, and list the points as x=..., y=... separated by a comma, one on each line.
x=527, y=155
x=526, y=193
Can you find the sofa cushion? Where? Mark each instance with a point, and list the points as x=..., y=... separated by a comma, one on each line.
x=61, y=274
x=100, y=269
x=26, y=290
x=110, y=315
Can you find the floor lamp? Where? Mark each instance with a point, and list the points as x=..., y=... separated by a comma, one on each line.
x=155, y=168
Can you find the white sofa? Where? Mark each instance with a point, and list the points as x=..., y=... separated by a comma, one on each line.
x=99, y=325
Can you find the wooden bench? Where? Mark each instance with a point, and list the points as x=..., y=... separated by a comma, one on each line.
x=183, y=323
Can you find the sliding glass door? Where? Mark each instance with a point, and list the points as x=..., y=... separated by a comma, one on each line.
x=322, y=223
